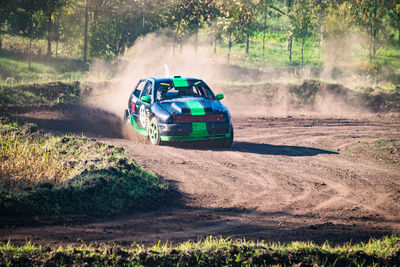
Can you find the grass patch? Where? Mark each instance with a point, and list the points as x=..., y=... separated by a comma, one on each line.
x=42, y=174
x=210, y=252
x=387, y=151
x=49, y=93
x=14, y=69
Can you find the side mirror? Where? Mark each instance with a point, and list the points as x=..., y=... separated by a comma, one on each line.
x=219, y=96
x=146, y=99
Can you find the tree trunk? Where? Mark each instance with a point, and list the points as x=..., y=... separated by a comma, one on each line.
x=30, y=51
x=85, y=41
x=215, y=43
x=58, y=32
x=289, y=46
x=264, y=30
x=1, y=42
x=302, y=50
x=398, y=36
x=321, y=35
x=196, y=40
x=49, y=35
x=370, y=44
x=375, y=33
x=229, y=46
x=247, y=42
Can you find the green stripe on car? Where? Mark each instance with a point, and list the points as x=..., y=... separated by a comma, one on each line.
x=180, y=82
x=138, y=129
x=196, y=108
x=199, y=129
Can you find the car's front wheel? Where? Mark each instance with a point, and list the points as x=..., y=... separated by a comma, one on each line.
x=226, y=142
x=154, y=134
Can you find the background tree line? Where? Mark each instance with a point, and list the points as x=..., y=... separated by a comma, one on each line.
x=105, y=28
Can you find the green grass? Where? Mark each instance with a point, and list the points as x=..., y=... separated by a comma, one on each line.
x=15, y=71
x=210, y=252
x=381, y=151
x=352, y=69
x=49, y=93
x=47, y=175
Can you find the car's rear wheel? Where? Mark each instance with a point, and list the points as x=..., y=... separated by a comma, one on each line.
x=154, y=134
x=126, y=117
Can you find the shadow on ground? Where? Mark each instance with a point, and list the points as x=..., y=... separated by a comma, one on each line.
x=255, y=148
x=67, y=119
x=180, y=223
x=266, y=149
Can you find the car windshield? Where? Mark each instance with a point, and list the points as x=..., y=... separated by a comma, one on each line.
x=167, y=92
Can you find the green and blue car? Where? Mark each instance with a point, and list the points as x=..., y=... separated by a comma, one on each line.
x=178, y=109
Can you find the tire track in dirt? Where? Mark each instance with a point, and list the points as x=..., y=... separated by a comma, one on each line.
x=285, y=178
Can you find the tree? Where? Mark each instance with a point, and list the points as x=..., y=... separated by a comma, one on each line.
x=394, y=19
x=50, y=7
x=302, y=18
x=264, y=6
x=236, y=18
x=85, y=44
x=370, y=14
x=185, y=17
x=117, y=23
x=26, y=19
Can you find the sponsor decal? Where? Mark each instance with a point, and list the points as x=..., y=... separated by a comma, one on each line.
x=133, y=107
x=142, y=116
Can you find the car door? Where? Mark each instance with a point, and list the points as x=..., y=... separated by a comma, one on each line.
x=143, y=108
x=134, y=100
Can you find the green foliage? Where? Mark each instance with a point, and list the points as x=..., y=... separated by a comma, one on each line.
x=382, y=151
x=14, y=69
x=61, y=176
x=210, y=252
x=49, y=93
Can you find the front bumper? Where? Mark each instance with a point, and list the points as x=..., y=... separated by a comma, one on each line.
x=195, y=131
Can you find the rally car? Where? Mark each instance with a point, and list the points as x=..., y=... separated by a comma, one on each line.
x=178, y=109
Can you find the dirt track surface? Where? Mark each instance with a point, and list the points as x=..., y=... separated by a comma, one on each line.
x=284, y=179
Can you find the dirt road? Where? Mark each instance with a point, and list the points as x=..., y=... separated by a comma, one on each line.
x=284, y=179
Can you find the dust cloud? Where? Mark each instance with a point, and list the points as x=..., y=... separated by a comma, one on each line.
x=150, y=55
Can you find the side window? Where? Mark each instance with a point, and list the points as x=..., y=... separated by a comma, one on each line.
x=147, y=89
x=139, y=88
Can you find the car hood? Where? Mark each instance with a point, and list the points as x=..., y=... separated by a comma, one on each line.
x=192, y=106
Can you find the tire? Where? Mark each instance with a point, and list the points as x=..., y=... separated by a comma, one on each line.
x=226, y=142
x=126, y=117
x=154, y=134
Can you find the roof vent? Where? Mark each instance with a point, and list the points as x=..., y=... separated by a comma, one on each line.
x=177, y=76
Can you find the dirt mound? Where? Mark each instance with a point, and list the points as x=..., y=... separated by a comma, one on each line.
x=50, y=93
x=311, y=96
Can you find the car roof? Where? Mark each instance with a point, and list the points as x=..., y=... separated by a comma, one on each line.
x=168, y=79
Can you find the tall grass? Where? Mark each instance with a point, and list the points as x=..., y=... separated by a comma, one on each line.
x=27, y=161
x=211, y=252
x=57, y=176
